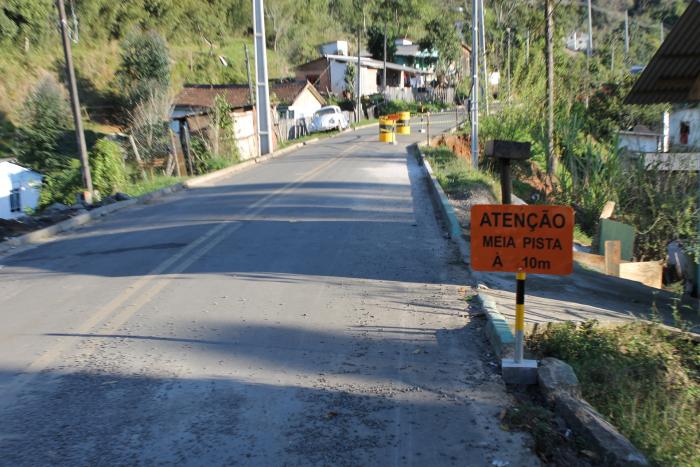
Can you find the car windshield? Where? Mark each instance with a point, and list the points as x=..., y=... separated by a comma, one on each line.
x=325, y=112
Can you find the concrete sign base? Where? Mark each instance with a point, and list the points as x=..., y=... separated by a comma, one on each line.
x=522, y=372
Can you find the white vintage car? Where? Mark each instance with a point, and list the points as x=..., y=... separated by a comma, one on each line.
x=328, y=118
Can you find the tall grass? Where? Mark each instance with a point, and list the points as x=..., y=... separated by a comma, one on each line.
x=644, y=379
x=457, y=177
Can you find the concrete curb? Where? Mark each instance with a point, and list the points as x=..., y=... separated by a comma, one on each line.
x=560, y=386
x=497, y=330
x=44, y=235
x=440, y=198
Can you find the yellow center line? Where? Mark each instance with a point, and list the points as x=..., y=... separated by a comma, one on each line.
x=188, y=256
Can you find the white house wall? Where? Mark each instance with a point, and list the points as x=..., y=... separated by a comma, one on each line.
x=337, y=77
x=29, y=182
x=691, y=116
x=368, y=83
x=244, y=132
x=639, y=143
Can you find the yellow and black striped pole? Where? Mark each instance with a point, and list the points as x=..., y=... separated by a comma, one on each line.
x=519, y=316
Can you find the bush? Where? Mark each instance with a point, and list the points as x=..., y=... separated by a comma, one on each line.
x=107, y=167
x=62, y=186
x=644, y=379
x=45, y=117
x=145, y=66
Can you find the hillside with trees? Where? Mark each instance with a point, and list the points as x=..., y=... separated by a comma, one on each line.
x=132, y=56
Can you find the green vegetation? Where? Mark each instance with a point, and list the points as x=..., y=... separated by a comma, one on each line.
x=457, y=177
x=155, y=183
x=590, y=170
x=643, y=378
x=46, y=119
x=145, y=67
x=107, y=167
x=582, y=237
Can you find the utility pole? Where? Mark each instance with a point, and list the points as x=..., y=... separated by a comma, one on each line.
x=590, y=30
x=247, y=70
x=661, y=31
x=485, y=84
x=358, y=78
x=75, y=104
x=551, y=161
x=589, y=52
x=508, y=64
x=475, y=84
x=384, y=71
x=262, y=91
x=627, y=35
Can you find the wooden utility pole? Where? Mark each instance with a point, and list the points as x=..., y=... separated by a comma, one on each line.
x=251, y=95
x=508, y=64
x=549, y=21
x=75, y=104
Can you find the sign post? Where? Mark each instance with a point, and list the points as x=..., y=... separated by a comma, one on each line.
x=521, y=239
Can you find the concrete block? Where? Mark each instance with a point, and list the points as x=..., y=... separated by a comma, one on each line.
x=614, y=449
x=523, y=372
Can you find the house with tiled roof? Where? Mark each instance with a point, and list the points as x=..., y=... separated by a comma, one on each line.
x=293, y=100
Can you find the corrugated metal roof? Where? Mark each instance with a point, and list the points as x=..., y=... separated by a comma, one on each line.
x=673, y=74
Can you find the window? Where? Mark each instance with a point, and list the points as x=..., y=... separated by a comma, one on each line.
x=685, y=132
x=15, y=205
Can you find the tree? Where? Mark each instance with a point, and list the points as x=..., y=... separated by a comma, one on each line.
x=148, y=124
x=281, y=16
x=350, y=79
x=45, y=115
x=145, y=66
x=20, y=19
x=375, y=43
x=441, y=35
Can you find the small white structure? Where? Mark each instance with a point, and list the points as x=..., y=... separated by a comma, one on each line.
x=20, y=188
x=335, y=48
x=640, y=139
x=684, y=128
x=577, y=41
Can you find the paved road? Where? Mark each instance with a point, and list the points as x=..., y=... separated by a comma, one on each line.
x=304, y=312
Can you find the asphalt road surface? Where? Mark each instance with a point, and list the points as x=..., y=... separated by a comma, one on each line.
x=303, y=312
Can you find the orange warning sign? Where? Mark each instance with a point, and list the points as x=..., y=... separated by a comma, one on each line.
x=510, y=238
